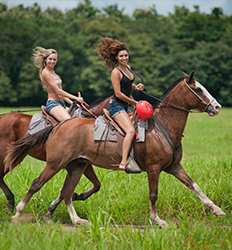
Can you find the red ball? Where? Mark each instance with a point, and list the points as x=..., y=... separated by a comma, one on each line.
x=144, y=110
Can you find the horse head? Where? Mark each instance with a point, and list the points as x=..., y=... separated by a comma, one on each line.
x=199, y=98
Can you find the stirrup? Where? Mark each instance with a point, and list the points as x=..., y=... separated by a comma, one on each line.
x=132, y=167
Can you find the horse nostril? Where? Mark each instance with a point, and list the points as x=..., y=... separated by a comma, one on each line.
x=218, y=107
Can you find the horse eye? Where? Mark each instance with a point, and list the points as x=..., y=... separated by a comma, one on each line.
x=198, y=90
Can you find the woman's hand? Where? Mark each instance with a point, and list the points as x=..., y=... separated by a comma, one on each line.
x=139, y=87
x=80, y=99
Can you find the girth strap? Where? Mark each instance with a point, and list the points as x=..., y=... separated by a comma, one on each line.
x=161, y=128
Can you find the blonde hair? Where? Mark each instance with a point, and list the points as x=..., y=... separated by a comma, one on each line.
x=39, y=56
x=108, y=49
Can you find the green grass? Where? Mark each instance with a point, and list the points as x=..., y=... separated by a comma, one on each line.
x=123, y=200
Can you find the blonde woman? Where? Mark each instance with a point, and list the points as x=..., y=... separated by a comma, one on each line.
x=45, y=60
x=116, y=56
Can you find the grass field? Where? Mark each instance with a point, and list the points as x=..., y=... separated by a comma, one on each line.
x=119, y=212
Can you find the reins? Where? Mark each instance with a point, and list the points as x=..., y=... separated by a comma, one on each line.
x=170, y=105
x=179, y=107
x=87, y=110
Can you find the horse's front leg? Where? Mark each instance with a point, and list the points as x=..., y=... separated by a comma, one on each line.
x=153, y=179
x=181, y=175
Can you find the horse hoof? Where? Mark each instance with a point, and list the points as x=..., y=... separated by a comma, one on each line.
x=78, y=197
x=22, y=218
x=163, y=224
x=159, y=222
x=218, y=211
x=16, y=216
x=47, y=218
x=81, y=221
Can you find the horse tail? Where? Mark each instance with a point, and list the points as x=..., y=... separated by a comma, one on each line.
x=18, y=150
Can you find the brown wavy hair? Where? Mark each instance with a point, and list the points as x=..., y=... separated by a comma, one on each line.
x=108, y=49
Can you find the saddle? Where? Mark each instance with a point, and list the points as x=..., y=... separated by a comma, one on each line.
x=43, y=119
x=47, y=116
x=132, y=166
x=107, y=129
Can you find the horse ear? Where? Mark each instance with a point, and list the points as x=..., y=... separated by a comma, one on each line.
x=190, y=78
x=185, y=74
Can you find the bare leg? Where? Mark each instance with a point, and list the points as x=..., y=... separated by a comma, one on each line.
x=181, y=175
x=153, y=179
x=60, y=113
x=46, y=174
x=124, y=122
x=9, y=195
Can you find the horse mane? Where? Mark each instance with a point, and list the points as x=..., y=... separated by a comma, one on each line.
x=173, y=86
x=97, y=109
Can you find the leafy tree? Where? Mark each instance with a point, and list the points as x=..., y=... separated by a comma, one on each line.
x=161, y=47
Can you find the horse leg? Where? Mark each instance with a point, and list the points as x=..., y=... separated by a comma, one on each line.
x=75, y=174
x=90, y=174
x=46, y=174
x=181, y=175
x=153, y=179
x=54, y=204
x=9, y=195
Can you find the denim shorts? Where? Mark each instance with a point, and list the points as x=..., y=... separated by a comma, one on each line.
x=116, y=107
x=53, y=103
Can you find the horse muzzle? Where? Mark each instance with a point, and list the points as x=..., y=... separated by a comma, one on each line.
x=213, y=108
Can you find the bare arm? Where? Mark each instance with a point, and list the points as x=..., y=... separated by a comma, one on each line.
x=46, y=77
x=68, y=100
x=115, y=78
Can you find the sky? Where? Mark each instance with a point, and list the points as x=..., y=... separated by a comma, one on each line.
x=163, y=7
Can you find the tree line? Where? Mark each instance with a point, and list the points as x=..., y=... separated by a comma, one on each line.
x=161, y=48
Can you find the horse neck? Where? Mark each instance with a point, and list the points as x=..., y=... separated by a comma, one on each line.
x=173, y=119
x=98, y=109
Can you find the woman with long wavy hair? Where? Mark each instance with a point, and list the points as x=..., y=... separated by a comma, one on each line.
x=116, y=56
x=45, y=60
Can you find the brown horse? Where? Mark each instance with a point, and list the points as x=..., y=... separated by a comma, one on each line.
x=162, y=150
x=14, y=126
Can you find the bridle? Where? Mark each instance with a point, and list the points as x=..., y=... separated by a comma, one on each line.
x=174, y=106
x=204, y=103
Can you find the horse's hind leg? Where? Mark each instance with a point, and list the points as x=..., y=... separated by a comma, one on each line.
x=181, y=175
x=54, y=204
x=74, y=175
x=90, y=174
x=9, y=195
x=46, y=174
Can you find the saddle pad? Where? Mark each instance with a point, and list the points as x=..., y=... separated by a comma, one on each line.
x=142, y=126
x=106, y=132
x=38, y=122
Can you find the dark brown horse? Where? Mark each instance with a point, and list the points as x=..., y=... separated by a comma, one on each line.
x=14, y=126
x=161, y=151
